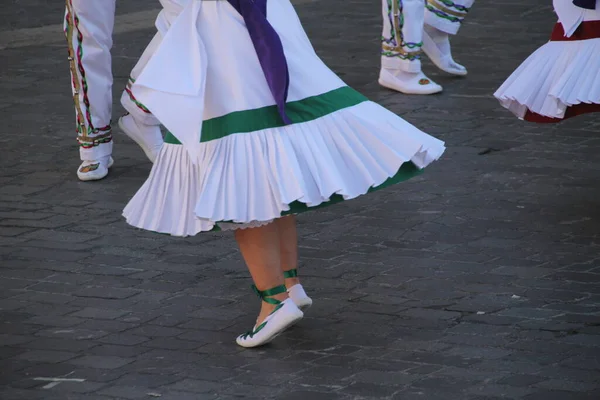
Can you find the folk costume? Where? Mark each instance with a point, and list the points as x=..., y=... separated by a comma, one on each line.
x=259, y=128
x=88, y=26
x=561, y=79
x=411, y=27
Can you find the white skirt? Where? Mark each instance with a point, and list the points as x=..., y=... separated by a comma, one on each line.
x=243, y=167
x=559, y=80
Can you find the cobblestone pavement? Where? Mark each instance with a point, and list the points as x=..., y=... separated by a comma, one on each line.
x=478, y=280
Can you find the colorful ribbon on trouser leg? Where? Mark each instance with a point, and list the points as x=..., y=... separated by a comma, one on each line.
x=269, y=49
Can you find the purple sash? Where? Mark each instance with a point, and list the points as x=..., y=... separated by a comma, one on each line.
x=587, y=4
x=269, y=49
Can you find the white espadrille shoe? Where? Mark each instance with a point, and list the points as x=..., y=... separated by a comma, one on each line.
x=408, y=82
x=282, y=317
x=148, y=137
x=437, y=47
x=94, y=170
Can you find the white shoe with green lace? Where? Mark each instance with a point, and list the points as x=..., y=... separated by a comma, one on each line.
x=282, y=317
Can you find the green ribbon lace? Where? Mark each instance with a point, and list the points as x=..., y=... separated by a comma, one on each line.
x=265, y=296
x=292, y=273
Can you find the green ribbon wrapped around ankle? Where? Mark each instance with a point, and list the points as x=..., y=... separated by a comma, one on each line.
x=292, y=273
x=266, y=294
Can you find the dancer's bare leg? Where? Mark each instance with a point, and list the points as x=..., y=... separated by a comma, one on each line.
x=260, y=249
x=288, y=249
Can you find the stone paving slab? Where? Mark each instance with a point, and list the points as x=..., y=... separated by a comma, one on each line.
x=478, y=280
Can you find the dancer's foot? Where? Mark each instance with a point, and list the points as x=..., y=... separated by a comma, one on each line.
x=94, y=170
x=275, y=317
x=408, y=82
x=296, y=291
x=299, y=297
x=148, y=137
x=436, y=44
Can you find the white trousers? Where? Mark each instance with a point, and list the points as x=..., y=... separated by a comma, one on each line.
x=88, y=27
x=171, y=10
x=403, y=24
